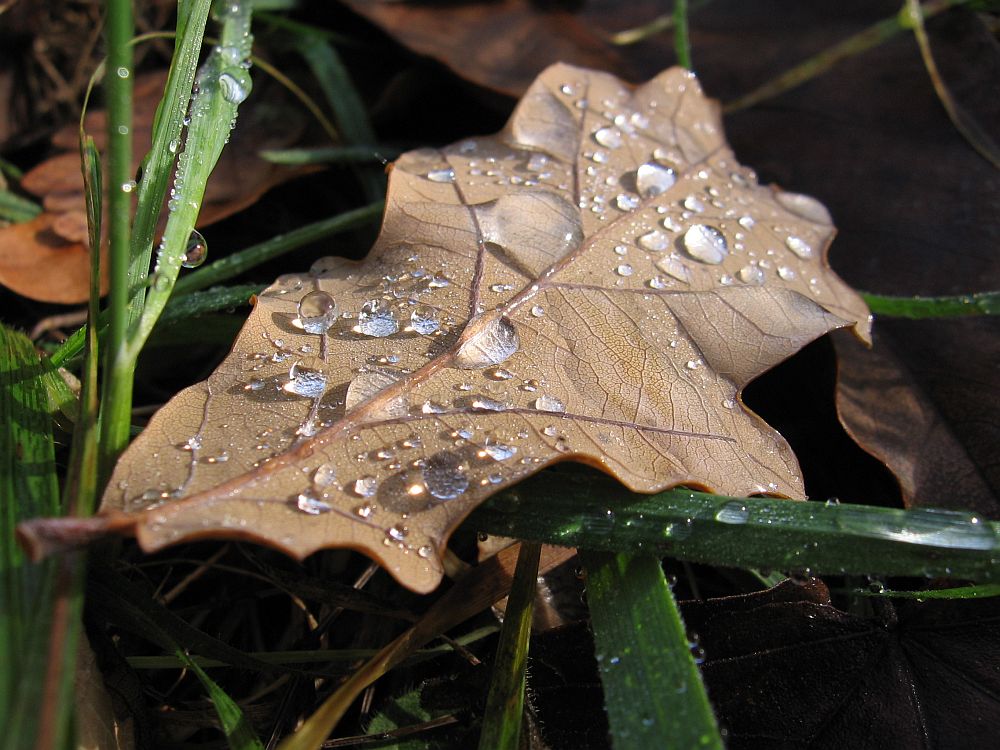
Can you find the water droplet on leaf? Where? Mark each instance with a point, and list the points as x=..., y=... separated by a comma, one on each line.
x=424, y=320
x=445, y=475
x=549, y=403
x=196, y=250
x=705, y=244
x=652, y=179
x=317, y=312
x=376, y=319
x=492, y=341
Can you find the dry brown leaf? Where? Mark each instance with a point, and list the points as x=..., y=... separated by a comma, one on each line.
x=47, y=258
x=596, y=283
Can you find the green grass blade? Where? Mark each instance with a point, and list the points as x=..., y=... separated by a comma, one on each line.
x=331, y=155
x=959, y=305
x=239, y=733
x=159, y=161
x=653, y=691
x=222, y=85
x=28, y=488
x=505, y=703
x=209, y=300
x=15, y=209
x=682, y=44
x=244, y=260
x=593, y=513
x=981, y=591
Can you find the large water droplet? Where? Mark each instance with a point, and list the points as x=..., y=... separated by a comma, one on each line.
x=445, y=475
x=705, y=243
x=317, y=311
x=652, y=179
x=489, y=404
x=376, y=319
x=424, y=320
x=927, y=526
x=367, y=384
x=534, y=229
x=655, y=241
x=306, y=378
x=693, y=203
x=799, y=246
x=624, y=270
x=499, y=451
x=673, y=266
x=195, y=251
x=549, y=403
x=492, y=341
x=235, y=85
x=734, y=512
x=608, y=137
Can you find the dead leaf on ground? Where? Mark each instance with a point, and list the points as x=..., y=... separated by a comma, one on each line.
x=784, y=668
x=47, y=258
x=504, y=45
x=596, y=283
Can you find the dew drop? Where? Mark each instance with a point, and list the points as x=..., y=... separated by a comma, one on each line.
x=367, y=384
x=317, y=312
x=537, y=311
x=195, y=251
x=365, y=486
x=235, y=86
x=787, y=273
x=498, y=373
x=733, y=513
x=673, y=266
x=655, y=241
x=397, y=532
x=365, y=510
x=424, y=320
x=658, y=282
x=705, y=243
x=499, y=451
x=693, y=364
x=445, y=475
x=799, y=246
x=307, y=502
x=805, y=206
x=624, y=270
x=693, y=203
x=306, y=378
x=324, y=476
x=441, y=175
x=492, y=341
x=751, y=274
x=489, y=404
x=549, y=403
x=747, y=222
x=608, y=137
x=376, y=319
x=652, y=179
x=425, y=551
x=550, y=430
x=626, y=202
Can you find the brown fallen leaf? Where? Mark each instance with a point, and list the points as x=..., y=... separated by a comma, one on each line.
x=47, y=258
x=595, y=283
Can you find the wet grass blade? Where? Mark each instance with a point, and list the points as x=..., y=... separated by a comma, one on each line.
x=593, y=513
x=653, y=691
x=505, y=702
x=209, y=300
x=959, y=305
x=32, y=674
x=982, y=591
x=331, y=155
x=239, y=733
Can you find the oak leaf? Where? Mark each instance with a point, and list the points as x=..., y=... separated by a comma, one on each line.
x=596, y=283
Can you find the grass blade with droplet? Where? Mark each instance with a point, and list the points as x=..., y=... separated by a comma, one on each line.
x=653, y=691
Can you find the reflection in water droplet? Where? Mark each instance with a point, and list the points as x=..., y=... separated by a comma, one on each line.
x=498, y=373
x=424, y=320
x=235, y=85
x=365, y=510
x=786, y=273
x=306, y=378
x=673, y=266
x=608, y=137
x=425, y=551
x=196, y=250
x=624, y=270
x=733, y=513
x=805, y=206
x=442, y=175
x=658, y=282
x=317, y=311
x=927, y=526
x=751, y=274
x=653, y=179
x=365, y=486
x=307, y=502
x=747, y=222
x=492, y=341
x=798, y=246
x=376, y=319
x=655, y=241
x=705, y=243
x=549, y=403
x=445, y=475
x=397, y=532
